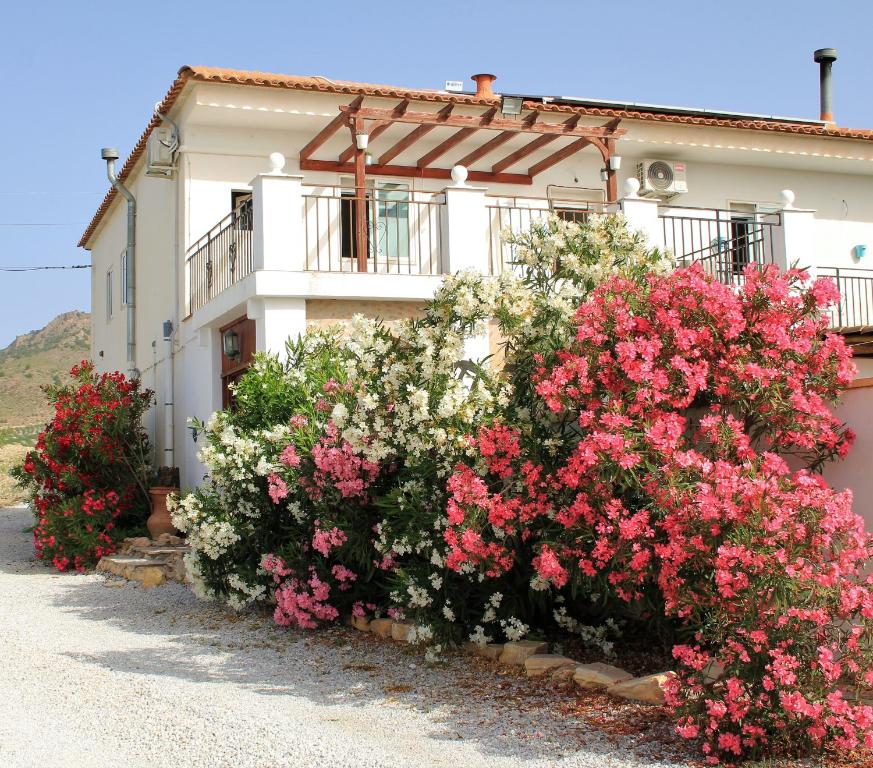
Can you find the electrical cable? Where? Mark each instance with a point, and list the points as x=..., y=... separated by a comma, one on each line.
x=37, y=269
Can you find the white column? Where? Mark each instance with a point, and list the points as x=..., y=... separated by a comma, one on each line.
x=277, y=207
x=641, y=214
x=466, y=225
x=794, y=241
x=465, y=242
x=276, y=320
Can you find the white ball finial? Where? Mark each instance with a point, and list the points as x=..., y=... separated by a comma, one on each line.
x=277, y=162
x=459, y=176
x=787, y=198
x=631, y=187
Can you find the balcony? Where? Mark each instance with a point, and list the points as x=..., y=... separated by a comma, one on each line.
x=222, y=257
x=293, y=240
x=403, y=234
x=854, y=313
x=724, y=242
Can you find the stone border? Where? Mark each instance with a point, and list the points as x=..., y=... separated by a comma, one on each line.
x=534, y=656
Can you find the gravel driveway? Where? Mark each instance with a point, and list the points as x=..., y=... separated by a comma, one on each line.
x=99, y=673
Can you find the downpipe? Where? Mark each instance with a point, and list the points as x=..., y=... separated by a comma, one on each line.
x=110, y=156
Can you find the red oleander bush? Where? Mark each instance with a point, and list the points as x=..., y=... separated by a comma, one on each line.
x=88, y=473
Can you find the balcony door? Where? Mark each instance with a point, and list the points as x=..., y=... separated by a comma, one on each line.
x=387, y=212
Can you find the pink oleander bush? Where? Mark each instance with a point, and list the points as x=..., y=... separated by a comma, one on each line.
x=646, y=457
x=687, y=401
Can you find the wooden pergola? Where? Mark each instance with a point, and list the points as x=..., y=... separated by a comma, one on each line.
x=494, y=128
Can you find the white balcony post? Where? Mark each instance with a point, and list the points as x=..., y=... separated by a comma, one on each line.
x=641, y=214
x=277, y=207
x=465, y=241
x=794, y=240
x=276, y=320
x=466, y=226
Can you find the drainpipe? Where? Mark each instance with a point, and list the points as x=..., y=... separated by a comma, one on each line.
x=110, y=156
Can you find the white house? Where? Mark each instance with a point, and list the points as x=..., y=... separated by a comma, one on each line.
x=255, y=204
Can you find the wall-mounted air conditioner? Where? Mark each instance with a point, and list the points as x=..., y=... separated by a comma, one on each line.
x=161, y=152
x=661, y=178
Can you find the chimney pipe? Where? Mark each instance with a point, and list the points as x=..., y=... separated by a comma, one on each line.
x=825, y=57
x=483, y=86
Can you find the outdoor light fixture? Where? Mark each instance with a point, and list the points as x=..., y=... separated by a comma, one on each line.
x=604, y=174
x=510, y=106
x=368, y=159
x=230, y=344
x=362, y=140
x=615, y=162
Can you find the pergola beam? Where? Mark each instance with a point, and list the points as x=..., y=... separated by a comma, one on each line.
x=513, y=157
x=375, y=131
x=330, y=129
x=489, y=146
x=556, y=157
x=440, y=149
x=414, y=135
x=414, y=172
x=486, y=120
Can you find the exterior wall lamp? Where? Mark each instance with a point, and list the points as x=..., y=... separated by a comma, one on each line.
x=510, y=106
x=604, y=174
x=230, y=344
x=362, y=140
x=615, y=162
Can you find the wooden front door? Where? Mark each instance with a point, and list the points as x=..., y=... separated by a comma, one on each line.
x=233, y=368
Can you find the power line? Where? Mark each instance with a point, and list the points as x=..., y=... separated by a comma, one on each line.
x=37, y=269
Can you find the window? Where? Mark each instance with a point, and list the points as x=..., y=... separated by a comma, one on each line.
x=123, y=278
x=109, y=305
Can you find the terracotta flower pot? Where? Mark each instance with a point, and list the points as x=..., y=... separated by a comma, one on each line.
x=159, y=521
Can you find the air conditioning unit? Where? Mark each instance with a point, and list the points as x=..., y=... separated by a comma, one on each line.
x=661, y=178
x=161, y=152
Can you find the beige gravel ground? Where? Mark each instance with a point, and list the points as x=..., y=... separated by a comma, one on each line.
x=98, y=673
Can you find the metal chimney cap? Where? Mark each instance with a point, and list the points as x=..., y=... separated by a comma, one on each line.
x=109, y=153
x=824, y=55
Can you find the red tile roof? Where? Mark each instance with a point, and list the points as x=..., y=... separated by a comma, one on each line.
x=326, y=85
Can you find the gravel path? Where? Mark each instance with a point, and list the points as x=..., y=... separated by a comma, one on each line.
x=96, y=673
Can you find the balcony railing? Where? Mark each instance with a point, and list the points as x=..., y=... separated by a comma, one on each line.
x=404, y=234
x=516, y=214
x=725, y=242
x=220, y=258
x=855, y=309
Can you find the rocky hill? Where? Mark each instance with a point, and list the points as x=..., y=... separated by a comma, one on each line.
x=33, y=359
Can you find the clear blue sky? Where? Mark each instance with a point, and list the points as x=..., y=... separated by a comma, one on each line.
x=80, y=76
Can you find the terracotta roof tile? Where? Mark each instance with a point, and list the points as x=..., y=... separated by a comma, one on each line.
x=326, y=85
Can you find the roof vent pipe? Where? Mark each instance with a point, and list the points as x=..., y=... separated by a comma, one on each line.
x=129, y=293
x=825, y=57
x=483, y=86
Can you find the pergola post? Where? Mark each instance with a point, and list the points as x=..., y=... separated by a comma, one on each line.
x=361, y=244
x=611, y=175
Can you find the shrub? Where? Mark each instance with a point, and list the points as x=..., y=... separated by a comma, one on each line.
x=87, y=476
x=675, y=402
x=629, y=463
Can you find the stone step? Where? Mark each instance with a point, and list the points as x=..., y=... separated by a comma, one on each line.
x=150, y=572
x=152, y=551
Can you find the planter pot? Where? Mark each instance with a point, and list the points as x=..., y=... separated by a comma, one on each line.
x=159, y=521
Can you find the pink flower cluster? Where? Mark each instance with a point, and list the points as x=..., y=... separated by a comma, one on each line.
x=685, y=395
x=300, y=602
x=338, y=467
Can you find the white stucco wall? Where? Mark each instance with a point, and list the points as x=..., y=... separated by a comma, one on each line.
x=856, y=470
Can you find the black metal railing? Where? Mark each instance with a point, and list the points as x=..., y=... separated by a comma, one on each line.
x=725, y=242
x=220, y=258
x=516, y=215
x=403, y=235
x=855, y=308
